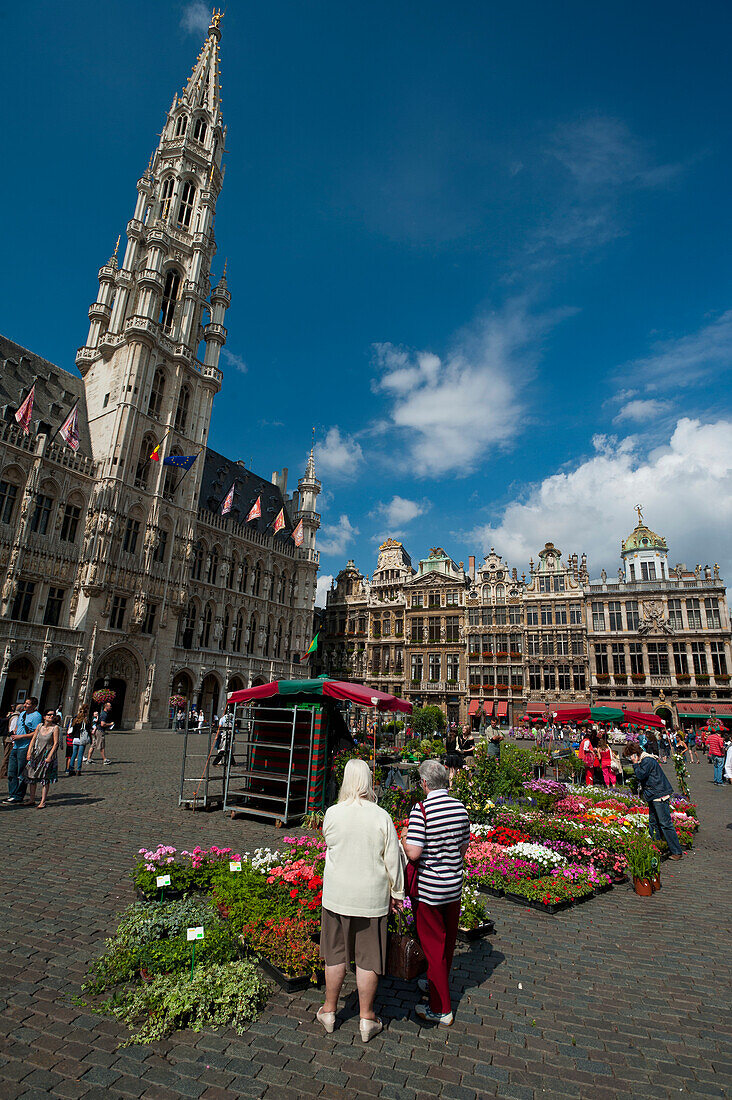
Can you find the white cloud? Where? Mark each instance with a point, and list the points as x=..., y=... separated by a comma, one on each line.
x=338, y=455
x=450, y=410
x=638, y=411
x=195, y=17
x=685, y=488
x=686, y=359
x=335, y=537
x=603, y=162
x=234, y=360
x=397, y=513
x=321, y=591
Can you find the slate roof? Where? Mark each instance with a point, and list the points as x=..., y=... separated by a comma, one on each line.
x=56, y=391
x=219, y=473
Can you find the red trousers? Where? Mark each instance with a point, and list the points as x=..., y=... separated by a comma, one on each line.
x=437, y=927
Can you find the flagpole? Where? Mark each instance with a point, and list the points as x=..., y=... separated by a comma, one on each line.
x=74, y=406
x=148, y=460
x=185, y=472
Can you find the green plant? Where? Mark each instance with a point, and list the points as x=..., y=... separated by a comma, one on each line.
x=682, y=775
x=426, y=721
x=231, y=994
x=249, y=898
x=397, y=802
x=641, y=854
x=313, y=820
x=152, y=934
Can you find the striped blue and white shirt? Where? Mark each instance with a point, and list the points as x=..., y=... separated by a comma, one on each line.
x=441, y=831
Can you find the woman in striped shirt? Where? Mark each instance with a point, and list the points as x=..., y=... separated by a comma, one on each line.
x=436, y=839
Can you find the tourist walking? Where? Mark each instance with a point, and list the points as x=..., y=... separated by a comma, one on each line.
x=103, y=724
x=655, y=789
x=716, y=750
x=606, y=761
x=363, y=878
x=8, y=729
x=436, y=839
x=691, y=742
x=41, y=766
x=28, y=719
x=92, y=736
x=589, y=757
x=495, y=737
x=80, y=740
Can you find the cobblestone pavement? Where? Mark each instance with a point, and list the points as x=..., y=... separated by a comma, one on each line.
x=622, y=996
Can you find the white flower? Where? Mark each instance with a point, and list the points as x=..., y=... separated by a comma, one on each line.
x=536, y=853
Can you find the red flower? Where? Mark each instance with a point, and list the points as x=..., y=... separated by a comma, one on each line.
x=293, y=893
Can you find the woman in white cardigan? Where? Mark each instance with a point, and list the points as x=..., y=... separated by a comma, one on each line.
x=362, y=880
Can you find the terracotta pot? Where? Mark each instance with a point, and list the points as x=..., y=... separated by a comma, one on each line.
x=656, y=881
x=643, y=887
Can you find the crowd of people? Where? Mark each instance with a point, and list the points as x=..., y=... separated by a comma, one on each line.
x=31, y=744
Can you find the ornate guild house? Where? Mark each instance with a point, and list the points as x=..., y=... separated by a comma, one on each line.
x=487, y=643
x=132, y=556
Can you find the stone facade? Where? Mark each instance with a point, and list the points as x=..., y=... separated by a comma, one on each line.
x=488, y=642
x=118, y=570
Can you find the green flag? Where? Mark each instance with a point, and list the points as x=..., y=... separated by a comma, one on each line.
x=313, y=647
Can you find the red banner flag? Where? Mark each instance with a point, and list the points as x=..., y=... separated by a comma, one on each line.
x=298, y=534
x=69, y=430
x=24, y=413
x=279, y=523
x=256, y=511
x=228, y=502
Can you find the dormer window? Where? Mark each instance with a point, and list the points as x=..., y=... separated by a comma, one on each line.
x=166, y=197
x=185, y=210
x=199, y=131
x=181, y=125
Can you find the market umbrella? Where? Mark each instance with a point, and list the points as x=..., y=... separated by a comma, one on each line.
x=335, y=689
x=597, y=714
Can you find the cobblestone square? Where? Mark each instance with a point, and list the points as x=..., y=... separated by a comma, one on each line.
x=622, y=996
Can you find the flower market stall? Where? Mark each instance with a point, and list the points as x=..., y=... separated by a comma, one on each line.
x=284, y=735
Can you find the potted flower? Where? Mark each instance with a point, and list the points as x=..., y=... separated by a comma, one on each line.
x=177, y=702
x=474, y=920
x=104, y=695
x=640, y=854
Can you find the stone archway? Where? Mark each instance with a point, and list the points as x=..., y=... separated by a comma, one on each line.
x=55, y=682
x=208, y=697
x=119, y=669
x=236, y=683
x=667, y=714
x=18, y=682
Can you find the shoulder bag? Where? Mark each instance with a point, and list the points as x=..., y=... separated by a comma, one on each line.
x=411, y=871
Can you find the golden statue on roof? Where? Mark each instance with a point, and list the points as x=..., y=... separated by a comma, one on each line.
x=639, y=510
x=216, y=17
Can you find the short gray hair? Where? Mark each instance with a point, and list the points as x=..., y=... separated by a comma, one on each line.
x=434, y=774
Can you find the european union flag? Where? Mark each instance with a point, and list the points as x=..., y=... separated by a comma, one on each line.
x=183, y=462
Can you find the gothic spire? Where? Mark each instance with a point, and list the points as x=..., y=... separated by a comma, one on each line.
x=204, y=85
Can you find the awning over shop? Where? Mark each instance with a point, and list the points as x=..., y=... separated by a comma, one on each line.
x=488, y=707
x=535, y=707
x=473, y=707
x=704, y=710
x=501, y=708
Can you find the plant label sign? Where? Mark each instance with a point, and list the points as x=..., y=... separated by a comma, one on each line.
x=235, y=865
x=163, y=880
x=194, y=933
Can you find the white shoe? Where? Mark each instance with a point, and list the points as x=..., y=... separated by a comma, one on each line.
x=425, y=1013
x=369, y=1028
x=107, y=761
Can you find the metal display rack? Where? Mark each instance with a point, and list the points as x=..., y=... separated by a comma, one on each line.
x=201, y=782
x=268, y=764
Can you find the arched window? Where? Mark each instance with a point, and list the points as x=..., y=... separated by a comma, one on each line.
x=166, y=196
x=197, y=562
x=156, y=393
x=199, y=130
x=187, y=199
x=170, y=297
x=244, y=575
x=181, y=413
x=257, y=579
x=238, y=633
x=251, y=644
x=292, y=590
x=144, y=466
x=187, y=626
x=181, y=125
x=278, y=638
x=268, y=638
x=224, y=641
x=206, y=627
x=213, y=566
x=500, y=594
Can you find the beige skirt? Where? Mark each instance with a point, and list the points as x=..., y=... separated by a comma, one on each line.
x=348, y=939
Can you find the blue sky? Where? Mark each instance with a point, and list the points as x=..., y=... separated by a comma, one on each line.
x=483, y=250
